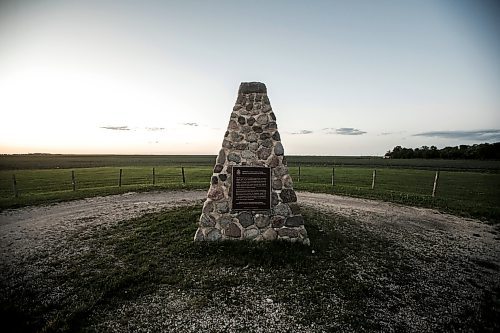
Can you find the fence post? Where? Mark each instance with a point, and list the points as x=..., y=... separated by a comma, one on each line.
x=373, y=178
x=153, y=176
x=183, y=176
x=333, y=176
x=120, y=179
x=14, y=186
x=434, y=188
x=73, y=182
x=299, y=174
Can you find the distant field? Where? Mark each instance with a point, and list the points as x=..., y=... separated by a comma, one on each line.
x=469, y=193
x=18, y=162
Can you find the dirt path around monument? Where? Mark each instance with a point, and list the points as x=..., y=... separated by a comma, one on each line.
x=34, y=228
x=34, y=239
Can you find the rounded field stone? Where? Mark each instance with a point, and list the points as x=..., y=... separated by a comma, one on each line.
x=263, y=153
x=288, y=195
x=198, y=237
x=257, y=129
x=218, y=168
x=268, y=143
x=277, y=221
x=282, y=209
x=240, y=145
x=223, y=207
x=252, y=137
x=249, y=107
x=265, y=136
x=245, y=129
x=233, y=125
x=272, y=115
x=237, y=107
x=226, y=134
x=207, y=220
x=294, y=221
x=223, y=177
x=262, y=119
x=251, y=121
x=276, y=136
x=247, y=154
x=208, y=206
x=266, y=108
x=253, y=146
x=265, y=99
x=221, y=158
x=241, y=120
x=215, y=193
x=246, y=219
x=234, y=157
x=286, y=232
x=232, y=230
x=274, y=199
x=287, y=181
x=227, y=144
x=235, y=136
x=280, y=171
x=271, y=126
x=295, y=208
x=251, y=233
x=224, y=221
x=277, y=185
x=278, y=149
x=214, y=235
x=261, y=220
x=274, y=162
x=214, y=180
x=270, y=234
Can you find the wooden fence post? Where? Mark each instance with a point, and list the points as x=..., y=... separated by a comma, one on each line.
x=183, y=176
x=14, y=186
x=299, y=174
x=373, y=178
x=153, y=176
x=434, y=188
x=73, y=182
x=120, y=179
x=333, y=176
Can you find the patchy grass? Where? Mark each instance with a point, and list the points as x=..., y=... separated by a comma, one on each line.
x=147, y=274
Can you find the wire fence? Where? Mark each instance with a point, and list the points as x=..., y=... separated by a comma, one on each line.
x=476, y=186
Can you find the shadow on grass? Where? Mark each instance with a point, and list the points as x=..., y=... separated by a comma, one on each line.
x=338, y=276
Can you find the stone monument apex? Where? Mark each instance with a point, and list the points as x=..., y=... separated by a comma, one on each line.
x=251, y=193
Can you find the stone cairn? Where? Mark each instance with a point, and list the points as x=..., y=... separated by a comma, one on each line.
x=251, y=139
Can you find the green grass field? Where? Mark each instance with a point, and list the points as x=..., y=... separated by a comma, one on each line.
x=468, y=193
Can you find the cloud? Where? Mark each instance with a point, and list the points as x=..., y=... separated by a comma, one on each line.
x=302, y=132
x=154, y=129
x=191, y=124
x=479, y=135
x=344, y=131
x=116, y=128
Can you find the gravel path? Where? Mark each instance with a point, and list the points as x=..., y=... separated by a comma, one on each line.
x=33, y=231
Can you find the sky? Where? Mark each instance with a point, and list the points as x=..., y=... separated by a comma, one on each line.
x=161, y=77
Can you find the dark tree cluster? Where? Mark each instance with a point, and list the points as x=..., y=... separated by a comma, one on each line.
x=482, y=151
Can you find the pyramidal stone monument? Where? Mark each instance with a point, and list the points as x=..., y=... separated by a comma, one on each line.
x=251, y=193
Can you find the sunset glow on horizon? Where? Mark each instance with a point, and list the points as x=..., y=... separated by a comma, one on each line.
x=343, y=78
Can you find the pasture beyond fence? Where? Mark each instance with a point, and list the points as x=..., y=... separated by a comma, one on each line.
x=476, y=190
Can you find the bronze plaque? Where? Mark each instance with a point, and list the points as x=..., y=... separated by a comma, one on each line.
x=251, y=188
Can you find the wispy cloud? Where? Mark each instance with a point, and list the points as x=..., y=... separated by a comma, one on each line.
x=191, y=124
x=154, y=129
x=116, y=128
x=302, y=132
x=478, y=135
x=344, y=131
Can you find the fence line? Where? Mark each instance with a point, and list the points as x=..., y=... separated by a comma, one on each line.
x=419, y=182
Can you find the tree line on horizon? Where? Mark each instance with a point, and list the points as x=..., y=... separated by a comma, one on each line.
x=482, y=151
